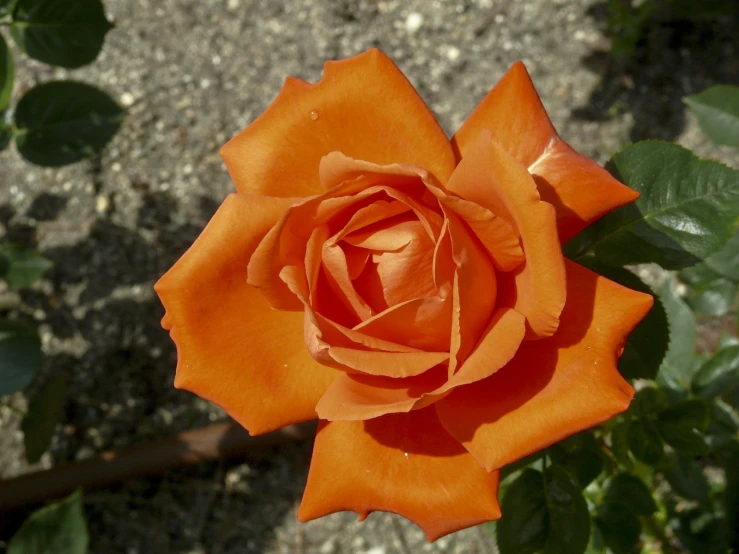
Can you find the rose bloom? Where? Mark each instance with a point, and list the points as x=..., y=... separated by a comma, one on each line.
x=408, y=290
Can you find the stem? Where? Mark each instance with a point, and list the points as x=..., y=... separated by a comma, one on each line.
x=217, y=442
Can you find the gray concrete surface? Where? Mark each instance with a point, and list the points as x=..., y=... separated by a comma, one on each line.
x=194, y=72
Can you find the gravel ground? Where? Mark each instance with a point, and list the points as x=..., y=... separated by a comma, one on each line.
x=194, y=72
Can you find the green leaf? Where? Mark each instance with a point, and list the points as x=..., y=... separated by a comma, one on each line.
x=7, y=74
x=726, y=261
x=711, y=293
x=648, y=400
x=688, y=209
x=686, y=478
x=724, y=425
x=67, y=33
x=726, y=340
x=45, y=410
x=681, y=426
x=544, y=513
x=684, y=439
x=569, y=521
x=676, y=369
x=694, y=413
x=520, y=464
x=524, y=527
x=717, y=110
x=620, y=444
x=702, y=532
x=632, y=492
x=20, y=356
x=645, y=442
x=722, y=414
x=58, y=528
x=21, y=266
x=583, y=464
x=729, y=458
x=63, y=122
x=619, y=527
x=719, y=374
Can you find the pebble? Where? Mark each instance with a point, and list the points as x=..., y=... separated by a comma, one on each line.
x=413, y=22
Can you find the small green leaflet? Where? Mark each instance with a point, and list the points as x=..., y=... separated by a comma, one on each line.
x=45, y=410
x=63, y=122
x=717, y=110
x=719, y=374
x=711, y=293
x=20, y=356
x=59, y=528
x=67, y=33
x=21, y=266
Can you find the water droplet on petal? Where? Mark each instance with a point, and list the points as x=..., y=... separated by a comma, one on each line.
x=405, y=454
x=313, y=115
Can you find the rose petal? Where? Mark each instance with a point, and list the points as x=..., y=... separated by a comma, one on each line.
x=553, y=387
x=363, y=106
x=407, y=273
x=496, y=348
x=423, y=323
x=579, y=189
x=401, y=463
x=389, y=364
x=287, y=242
x=514, y=114
x=337, y=274
x=475, y=288
x=374, y=213
x=497, y=235
x=353, y=397
x=491, y=177
x=233, y=349
x=405, y=183
x=293, y=238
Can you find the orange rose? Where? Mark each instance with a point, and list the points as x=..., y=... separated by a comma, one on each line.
x=408, y=290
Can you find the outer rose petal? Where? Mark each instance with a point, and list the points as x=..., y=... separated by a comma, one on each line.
x=579, y=189
x=514, y=113
x=401, y=463
x=363, y=106
x=554, y=387
x=233, y=349
x=491, y=177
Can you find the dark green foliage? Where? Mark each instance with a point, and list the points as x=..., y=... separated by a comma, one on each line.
x=20, y=356
x=59, y=528
x=67, y=33
x=63, y=122
x=687, y=210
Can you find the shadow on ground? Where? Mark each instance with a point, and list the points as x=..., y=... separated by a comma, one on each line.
x=120, y=389
x=674, y=57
